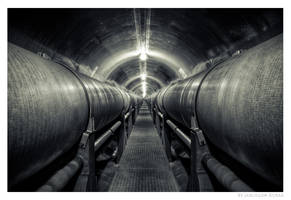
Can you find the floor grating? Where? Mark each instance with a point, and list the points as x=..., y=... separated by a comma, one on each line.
x=144, y=166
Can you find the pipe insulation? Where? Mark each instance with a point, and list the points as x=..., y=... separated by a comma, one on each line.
x=239, y=106
x=49, y=107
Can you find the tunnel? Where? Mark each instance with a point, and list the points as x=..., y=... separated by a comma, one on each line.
x=145, y=100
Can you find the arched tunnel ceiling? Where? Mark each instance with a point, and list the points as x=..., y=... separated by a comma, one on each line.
x=109, y=41
x=136, y=83
x=138, y=89
x=129, y=72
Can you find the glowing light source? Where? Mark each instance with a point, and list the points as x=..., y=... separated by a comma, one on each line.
x=143, y=53
x=143, y=77
x=144, y=89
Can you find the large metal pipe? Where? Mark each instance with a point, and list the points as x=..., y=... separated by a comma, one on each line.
x=239, y=106
x=106, y=101
x=48, y=110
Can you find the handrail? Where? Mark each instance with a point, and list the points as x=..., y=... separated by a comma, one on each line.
x=61, y=178
x=223, y=174
x=180, y=133
x=160, y=115
x=100, y=141
x=126, y=115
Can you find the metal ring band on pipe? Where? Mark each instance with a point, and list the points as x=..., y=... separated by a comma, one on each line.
x=162, y=98
x=198, y=90
x=83, y=86
x=120, y=91
x=188, y=83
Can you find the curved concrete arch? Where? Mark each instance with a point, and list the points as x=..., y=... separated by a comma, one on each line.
x=129, y=81
x=170, y=60
x=150, y=89
x=140, y=85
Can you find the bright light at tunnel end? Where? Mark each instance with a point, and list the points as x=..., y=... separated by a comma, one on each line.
x=143, y=57
x=144, y=89
x=143, y=54
x=143, y=77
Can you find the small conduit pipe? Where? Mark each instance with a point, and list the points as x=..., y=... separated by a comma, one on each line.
x=224, y=175
x=62, y=177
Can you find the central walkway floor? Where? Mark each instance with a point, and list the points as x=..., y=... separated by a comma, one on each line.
x=144, y=166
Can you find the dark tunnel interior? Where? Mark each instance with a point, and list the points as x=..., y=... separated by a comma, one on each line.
x=107, y=42
x=145, y=62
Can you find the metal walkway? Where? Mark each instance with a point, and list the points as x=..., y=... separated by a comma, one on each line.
x=144, y=166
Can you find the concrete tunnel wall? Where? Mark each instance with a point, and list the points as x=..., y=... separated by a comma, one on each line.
x=140, y=50
x=97, y=42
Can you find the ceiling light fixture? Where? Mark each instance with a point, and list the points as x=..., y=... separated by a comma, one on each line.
x=143, y=54
x=143, y=76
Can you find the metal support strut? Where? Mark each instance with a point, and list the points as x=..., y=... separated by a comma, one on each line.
x=201, y=159
x=87, y=178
